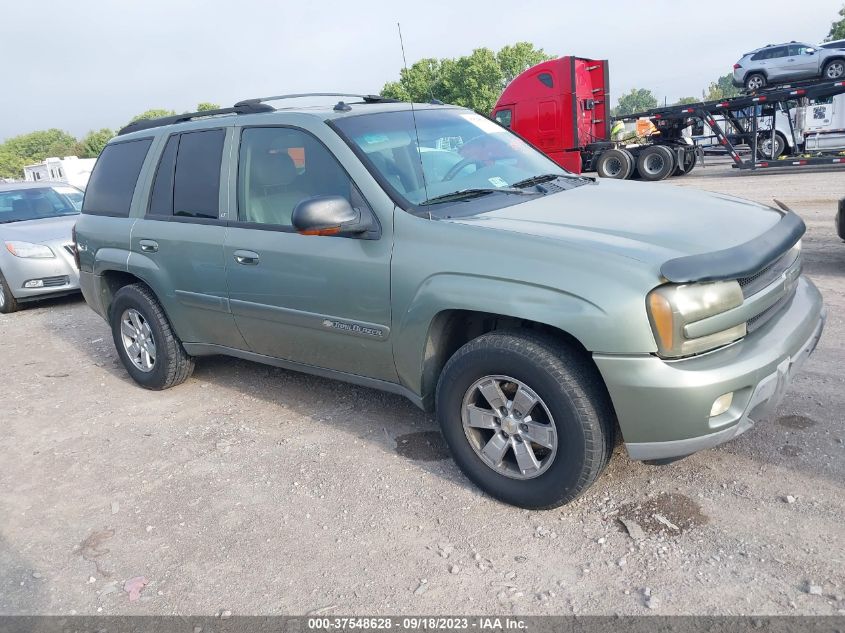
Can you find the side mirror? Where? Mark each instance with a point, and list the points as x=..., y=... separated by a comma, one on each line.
x=330, y=215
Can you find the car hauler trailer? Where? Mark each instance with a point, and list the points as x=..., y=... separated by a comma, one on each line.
x=562, y=106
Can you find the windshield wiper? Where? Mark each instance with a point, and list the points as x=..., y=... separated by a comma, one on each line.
x=536, y=180
x=466, y=194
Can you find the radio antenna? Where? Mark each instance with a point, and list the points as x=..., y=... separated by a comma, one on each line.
x=413, y=114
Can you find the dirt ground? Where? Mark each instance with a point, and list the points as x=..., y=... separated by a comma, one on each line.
x=260, y=491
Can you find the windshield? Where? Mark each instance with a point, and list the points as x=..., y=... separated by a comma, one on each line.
x=458, y=151
x=37, y=203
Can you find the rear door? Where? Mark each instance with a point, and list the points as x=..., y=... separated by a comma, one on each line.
x=776, y=65
x=322, y=301
x=178, y=245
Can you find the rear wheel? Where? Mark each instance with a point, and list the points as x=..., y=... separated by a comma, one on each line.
x=526, y=418
x=145, y=341
x=764, y=145
x=834, y=69
x=656, y=163
x=8, y=303
x=754, y=82
x=632, y=162
x=614, y=163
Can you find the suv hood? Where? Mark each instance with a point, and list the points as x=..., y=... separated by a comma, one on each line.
x=646, y=222
x=38, y=231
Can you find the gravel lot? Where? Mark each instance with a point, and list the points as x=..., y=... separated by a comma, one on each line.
x=260, y=491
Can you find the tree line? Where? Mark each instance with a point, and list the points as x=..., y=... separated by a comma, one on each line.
x=472, y=81
x=29, y=149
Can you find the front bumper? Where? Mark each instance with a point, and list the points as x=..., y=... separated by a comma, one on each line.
x=664, y=407
x=58, y=274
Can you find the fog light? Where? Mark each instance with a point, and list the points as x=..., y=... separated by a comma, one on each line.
x=34, y=283
x=721, y=404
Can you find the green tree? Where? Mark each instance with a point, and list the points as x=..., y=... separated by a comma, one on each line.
x=152, y=114
x=837, y=29
x=686, y=100
x=516, y=58
x=94, y=142
x=204, y=106
x=473, y=81
x=637, y=100
x=34, y=147
x=722, y=88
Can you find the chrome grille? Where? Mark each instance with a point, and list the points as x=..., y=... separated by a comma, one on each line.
x=753, y=284
x=755, y=323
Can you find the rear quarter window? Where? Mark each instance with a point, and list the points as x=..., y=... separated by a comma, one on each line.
x=112, y=183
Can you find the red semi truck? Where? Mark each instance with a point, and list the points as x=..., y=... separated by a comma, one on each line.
x=562, y=107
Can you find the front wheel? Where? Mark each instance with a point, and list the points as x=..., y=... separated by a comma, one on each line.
x=145, y=341
x=764, y=146
x=834, y=69
x=526, y=418
x=8, y=303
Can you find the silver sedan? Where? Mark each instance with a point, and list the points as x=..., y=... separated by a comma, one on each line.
x=36, y=246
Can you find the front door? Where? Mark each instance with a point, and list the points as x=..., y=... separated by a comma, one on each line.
x=322, y=301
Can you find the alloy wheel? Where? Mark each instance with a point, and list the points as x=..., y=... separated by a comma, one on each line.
x=137, y=338
x=835, y=70
x=509, y=427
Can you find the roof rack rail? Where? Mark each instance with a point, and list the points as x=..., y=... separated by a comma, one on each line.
x=238, y=108
x=364, y=98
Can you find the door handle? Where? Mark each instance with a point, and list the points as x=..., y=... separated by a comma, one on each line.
x=247, y=258
x=148, y=246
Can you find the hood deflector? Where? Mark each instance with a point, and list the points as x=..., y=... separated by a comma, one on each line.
x=743, y=260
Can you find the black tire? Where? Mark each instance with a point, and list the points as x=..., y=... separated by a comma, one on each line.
x=755, y=82
x=172, y=365
x=8, y=303
x=762, y=145
x=632, y=160
x=572, y=390
x=840, y=219
x=834, y=70
x=614, y=163
x=656, y=163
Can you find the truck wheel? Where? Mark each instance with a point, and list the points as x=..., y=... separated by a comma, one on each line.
x=632, y=161
x=764, y=145
x=8, y=303
x=614, y=163
x=834, y=69
x=656, y=163
x=526, y=418
x=754, y=82
x=145, y=341
x=840, y=219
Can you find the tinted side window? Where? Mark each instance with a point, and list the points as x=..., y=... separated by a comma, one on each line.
x=504, y=117
x=780, y=51
x=546, y=79
x=161, y=196
x=196, y=183
x=115, y=175
x=279, y=167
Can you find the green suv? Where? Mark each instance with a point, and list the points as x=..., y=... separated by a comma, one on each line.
x=427, y=251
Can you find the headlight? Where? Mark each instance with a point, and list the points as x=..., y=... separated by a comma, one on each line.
x=673, y=306
x=27, y=249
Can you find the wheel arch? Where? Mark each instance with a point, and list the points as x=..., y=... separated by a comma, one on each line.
x=450, y=329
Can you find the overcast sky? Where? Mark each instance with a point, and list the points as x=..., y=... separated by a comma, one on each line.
x=95, y=63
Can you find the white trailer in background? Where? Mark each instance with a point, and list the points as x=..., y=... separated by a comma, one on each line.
x=70, y=169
